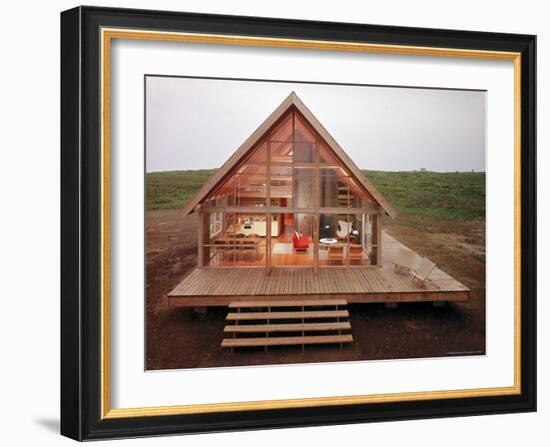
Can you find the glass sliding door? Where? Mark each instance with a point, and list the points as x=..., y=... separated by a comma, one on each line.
x=369, y=238
x=234, y=239
x=295, y=248
x=356, y=254
x=334, y=230
x=342, y=240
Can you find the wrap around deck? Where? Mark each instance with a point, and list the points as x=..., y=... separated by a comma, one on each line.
x=219, y=286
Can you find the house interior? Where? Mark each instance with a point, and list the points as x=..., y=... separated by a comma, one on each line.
x=295, y=187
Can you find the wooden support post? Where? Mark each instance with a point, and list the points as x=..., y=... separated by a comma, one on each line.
x=379, y=238
x=316, y=220
x=201, y=239
x=346, y=252
x=268, y=204
x=268, y=244
x=373, y=237
x=317, y=198
x=268, y=174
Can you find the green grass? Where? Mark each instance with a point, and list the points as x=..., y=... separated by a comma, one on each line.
x=173, y=189
x=449, y=196
x=438, y=195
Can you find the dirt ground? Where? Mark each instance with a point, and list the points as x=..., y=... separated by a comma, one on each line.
x=182, y=338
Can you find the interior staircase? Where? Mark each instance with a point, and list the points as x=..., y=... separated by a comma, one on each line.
x=343, y=198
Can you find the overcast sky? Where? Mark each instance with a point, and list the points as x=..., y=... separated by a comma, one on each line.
x=199, y=123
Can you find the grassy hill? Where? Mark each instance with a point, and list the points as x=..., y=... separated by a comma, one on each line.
x=172, y=189
x=439, y=195
x=450, y=196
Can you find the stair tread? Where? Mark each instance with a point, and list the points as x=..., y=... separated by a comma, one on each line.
x=284, y=315
x=251, y=328
x=286, y=303
x=273, y=341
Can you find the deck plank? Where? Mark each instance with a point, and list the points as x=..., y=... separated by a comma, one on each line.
x=252, y=281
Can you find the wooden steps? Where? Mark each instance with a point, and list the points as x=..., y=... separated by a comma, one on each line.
x=238, y=316
x=293, y=303
x=343, y=197
x=297, y=322
x=251, y=328
x=284, y=341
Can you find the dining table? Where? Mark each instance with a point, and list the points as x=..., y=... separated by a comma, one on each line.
x=239, y=243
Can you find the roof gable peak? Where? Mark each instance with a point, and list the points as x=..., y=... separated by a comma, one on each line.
x=242, y=152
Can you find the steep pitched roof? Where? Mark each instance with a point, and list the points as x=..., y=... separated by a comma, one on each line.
x=242, y=151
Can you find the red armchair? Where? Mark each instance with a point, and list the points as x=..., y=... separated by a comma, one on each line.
x=300, y=242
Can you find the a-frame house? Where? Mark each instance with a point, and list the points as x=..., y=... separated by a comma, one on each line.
x=290, y=214
x=291, y=190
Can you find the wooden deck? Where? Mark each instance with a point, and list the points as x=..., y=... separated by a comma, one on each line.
x=220, y=286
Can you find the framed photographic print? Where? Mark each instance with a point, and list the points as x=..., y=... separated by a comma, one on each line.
x=275, y=223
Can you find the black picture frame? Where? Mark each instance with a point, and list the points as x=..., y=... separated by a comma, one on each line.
x=81, y=223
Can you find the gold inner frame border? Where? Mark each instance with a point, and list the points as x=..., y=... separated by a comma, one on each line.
x=107, y=35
